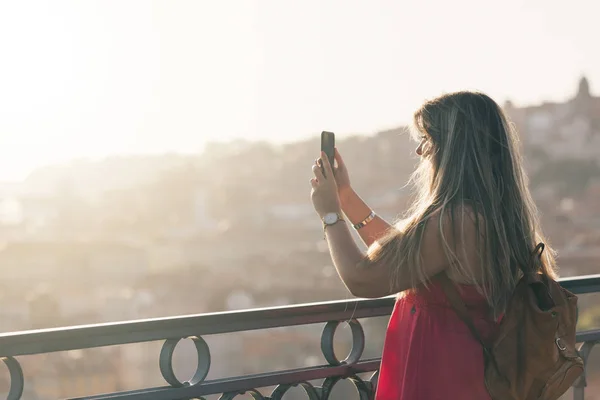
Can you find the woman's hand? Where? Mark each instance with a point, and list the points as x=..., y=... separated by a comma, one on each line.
x=341, y=175
x=324, y=193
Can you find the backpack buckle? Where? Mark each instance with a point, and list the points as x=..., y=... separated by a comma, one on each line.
x=559, y=344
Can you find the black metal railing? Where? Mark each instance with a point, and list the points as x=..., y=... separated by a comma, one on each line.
x=172, y=330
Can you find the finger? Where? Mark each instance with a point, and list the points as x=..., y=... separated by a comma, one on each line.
x=318, y=173
x=339, y=159
x=325, y=161
x=313, y=183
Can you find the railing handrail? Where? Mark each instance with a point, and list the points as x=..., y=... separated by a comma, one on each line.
x=146, y=330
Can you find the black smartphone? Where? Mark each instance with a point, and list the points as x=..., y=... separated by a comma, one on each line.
x=328, y=147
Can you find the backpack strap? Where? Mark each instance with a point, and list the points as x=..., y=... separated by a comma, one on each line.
x=537, y=252
x=459, y=306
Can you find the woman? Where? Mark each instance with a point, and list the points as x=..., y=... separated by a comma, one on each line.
x=473, y=220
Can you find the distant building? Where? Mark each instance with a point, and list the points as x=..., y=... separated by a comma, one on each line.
x=569, y=130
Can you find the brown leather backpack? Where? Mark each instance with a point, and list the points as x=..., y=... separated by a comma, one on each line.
x=532, y=353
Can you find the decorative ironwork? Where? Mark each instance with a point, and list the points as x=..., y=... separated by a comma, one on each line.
x=373, y=381
x=173, y=330
x=311, y=392
x=252, y=392
x=17, y=383
x=358, y=342
x=363, y=388
x=166, y=362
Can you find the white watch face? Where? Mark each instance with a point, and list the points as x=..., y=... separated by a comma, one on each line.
x=330, y=218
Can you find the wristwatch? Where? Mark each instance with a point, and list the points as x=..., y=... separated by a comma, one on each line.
x=331, y=218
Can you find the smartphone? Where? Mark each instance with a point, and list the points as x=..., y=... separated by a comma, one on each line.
x=328, y=147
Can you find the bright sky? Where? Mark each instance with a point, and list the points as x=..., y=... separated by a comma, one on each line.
x=91, y=78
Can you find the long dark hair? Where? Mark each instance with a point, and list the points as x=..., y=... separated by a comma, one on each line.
x=474, y=160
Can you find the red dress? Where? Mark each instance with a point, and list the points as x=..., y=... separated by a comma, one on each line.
x=429, y=353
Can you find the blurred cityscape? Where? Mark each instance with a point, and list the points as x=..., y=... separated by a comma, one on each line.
x=233, y=228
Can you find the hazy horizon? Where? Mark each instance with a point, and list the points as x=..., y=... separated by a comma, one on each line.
x=97, y=78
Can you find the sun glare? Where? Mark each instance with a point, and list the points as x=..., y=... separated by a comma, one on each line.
x=86, y=79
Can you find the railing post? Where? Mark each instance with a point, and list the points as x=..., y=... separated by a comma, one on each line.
x=580, y=384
